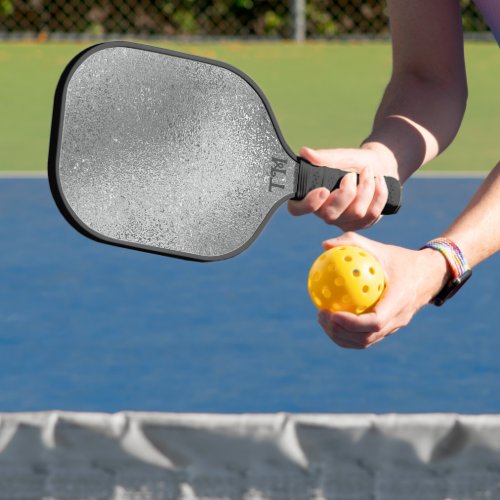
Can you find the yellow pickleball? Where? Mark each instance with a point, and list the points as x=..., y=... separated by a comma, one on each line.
x=346, y=278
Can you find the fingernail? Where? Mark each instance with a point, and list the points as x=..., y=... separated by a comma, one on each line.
x=324, y=194
x=347, y=179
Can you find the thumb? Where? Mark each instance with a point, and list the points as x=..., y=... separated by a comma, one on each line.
x=349, y=238
x=352, y=159
x=311, y=155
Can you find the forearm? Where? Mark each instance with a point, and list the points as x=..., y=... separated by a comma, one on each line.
x=424, y=103
x=416, y=120
x=477, y=230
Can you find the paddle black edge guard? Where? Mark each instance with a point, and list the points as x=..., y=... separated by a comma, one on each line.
x=311, y=177
x=55, y=145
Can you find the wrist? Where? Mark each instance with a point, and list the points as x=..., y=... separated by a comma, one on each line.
x=437, y=272
x=386, y=157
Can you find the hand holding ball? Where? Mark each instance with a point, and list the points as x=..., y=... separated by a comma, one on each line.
x=346, y=278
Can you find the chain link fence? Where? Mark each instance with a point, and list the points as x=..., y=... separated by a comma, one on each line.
x=286, y=19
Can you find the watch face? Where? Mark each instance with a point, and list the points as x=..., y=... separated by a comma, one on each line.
x=451, y=288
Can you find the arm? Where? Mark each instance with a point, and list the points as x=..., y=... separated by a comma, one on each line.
x=477, y=230
x=415, y=277
x=424, y=103
x=419, y=114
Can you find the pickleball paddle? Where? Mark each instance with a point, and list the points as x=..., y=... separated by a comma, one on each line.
x=172, y=153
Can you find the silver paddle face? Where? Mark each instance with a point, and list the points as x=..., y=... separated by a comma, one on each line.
x=163, y=152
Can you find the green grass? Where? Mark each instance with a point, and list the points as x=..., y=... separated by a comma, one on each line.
x=323, y=94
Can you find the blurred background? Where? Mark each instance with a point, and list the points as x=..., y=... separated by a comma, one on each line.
x=283, y=19
x=336, y=52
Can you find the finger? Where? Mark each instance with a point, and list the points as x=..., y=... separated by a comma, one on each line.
x=393, y=332
x=366, y=209
x=343, y=343
x=353, y=341
x=365, y=191
x=385, y=318
x=338, y=201
x=311, y=203
x=372, y=343
x=340, y=335
x=356, y=340
x=362, y=324
x=359, y=224
x=375, y=339
x=394, y=310
x=347, y=338
x=362, y=340
x=380, y=196
x=341, y=340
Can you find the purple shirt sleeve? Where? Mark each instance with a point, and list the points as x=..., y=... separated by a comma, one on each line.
x=490, y=9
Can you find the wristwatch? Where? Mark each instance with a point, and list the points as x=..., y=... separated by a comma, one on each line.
x=460, y=270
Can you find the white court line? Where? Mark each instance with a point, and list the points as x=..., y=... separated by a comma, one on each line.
x=23, y=174
x=453, y=174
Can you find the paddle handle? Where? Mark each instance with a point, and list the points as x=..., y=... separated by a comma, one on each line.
x=311, y=177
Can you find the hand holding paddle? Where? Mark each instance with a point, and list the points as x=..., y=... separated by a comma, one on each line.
x=360, y=199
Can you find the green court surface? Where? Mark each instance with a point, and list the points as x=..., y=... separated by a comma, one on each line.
x=323, y=94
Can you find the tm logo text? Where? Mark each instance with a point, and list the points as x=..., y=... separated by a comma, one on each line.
x=278, y=168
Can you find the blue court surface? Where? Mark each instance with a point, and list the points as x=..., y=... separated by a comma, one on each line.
x=90, y=327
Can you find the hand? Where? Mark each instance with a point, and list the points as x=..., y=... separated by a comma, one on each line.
x=350, y=206
x=413, y=278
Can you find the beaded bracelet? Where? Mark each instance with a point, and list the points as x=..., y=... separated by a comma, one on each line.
x=452, y=254
x=460, y=269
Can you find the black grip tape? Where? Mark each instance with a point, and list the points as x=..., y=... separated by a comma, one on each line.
x=312, y=177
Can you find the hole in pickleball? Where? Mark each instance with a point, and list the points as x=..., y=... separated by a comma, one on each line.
x=363, y=254
x=356, y=273
x=372, y=270
x=348, y=258
x=339, y=281
x=317, y=276
x=366, y=289
x=337, y=306
x=326, y=292
x=379, y=287
x=346, y=299
x=360, y=309
x=331, y=268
